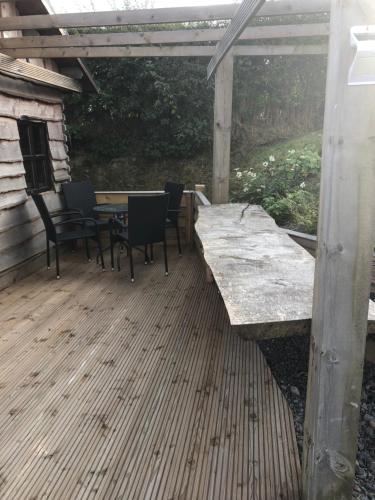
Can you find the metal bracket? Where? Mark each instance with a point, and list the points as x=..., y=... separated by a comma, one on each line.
x=362, y=70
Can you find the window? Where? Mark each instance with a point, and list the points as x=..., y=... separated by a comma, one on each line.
x=34, y=148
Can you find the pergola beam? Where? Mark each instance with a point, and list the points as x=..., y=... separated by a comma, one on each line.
x=156, y=16
x=164, y=37
x=166, y=51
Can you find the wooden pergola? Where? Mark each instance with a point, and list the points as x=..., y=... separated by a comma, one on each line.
x=346, y=229
x=176, y=43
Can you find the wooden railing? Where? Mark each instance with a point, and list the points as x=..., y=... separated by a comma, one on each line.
x=309, y=242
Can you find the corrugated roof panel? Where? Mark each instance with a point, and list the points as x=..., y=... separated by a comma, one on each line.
x=27, y=71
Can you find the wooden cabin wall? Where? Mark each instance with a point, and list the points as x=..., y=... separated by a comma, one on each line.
x=22, y=234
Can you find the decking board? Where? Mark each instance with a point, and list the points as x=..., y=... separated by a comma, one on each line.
x=114, y=390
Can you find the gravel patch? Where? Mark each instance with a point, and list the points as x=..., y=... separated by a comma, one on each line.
x=288, y=360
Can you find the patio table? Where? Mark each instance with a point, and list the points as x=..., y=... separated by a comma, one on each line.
x=115, y=209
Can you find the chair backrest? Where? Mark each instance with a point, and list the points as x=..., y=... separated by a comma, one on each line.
x=176, y=192
x=80, y=195
x=146, y=218
x=44, y=213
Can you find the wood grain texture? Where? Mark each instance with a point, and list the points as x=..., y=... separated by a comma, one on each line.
x=21, y=231
x=8, y=129
x=56, y=131
x=10, y=151
x=166, y=51
x=346, y=236
x=166, y=36
x=20, y=215
x=222, y=130
x=8, y=9
x=28, y=90
x=14, y=183
x=155, y=16
x=265, y=278
x=58, y=150
x=61, y=175
x=30, y=72
x=12, y=199
x=14, y=107
x=118, y=390
x=11, y=169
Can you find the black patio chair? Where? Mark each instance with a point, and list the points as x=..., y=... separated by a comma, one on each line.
x=145, y=226
x=88, y=229
x=81, y=196
x=175, y=192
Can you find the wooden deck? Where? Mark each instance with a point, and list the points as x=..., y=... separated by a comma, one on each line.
x=117, y=391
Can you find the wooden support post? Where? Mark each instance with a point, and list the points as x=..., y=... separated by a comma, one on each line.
x=8, y=9
x=222, y=129
x=200, y=187
x=342, y=275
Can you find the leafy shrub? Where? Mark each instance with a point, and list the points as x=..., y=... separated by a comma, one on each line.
x=285, y=181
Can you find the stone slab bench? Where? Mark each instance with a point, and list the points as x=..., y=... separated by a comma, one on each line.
x=265, y=278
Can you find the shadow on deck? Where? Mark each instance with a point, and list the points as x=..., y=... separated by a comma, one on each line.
x=112, y=390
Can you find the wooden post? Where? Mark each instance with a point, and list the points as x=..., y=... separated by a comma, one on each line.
x=222, y=129
x=8, y=9
x=200, y=187
x=342, y=275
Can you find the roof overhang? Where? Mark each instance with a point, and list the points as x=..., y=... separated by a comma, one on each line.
x=83, y=77
x=30, y=72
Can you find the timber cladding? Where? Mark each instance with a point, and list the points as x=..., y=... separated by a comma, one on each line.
x=21, y=229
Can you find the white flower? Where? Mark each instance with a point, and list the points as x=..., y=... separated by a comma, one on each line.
x=292, y=151
x=259, y=190
x=245, y=189
x=272, y=158
x=265, y=164
x=239, y=175
x=302, y=185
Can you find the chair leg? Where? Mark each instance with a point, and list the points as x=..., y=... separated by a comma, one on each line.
x=112, y=256
x=165, y=257
x=48, y=255
x=152, y=253
x=87, y=249
x=118, y=258
x=57, y=261
x=178, y=239
x=131, y=264
x=146, y=256
x=101, y=253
